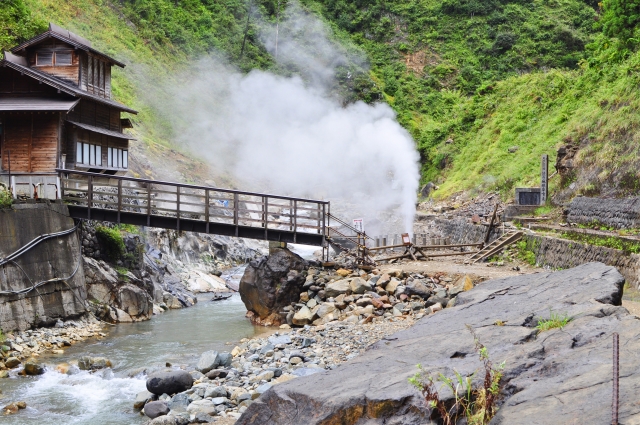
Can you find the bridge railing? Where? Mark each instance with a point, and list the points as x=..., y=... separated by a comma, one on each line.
x=188, y=203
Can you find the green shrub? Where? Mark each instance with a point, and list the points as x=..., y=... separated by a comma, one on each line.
x=525, y=254
x=554, y=321
x=5, y=197
x=111, y=242
x=478, y=406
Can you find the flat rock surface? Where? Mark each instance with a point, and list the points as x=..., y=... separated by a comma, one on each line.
x=556, y=376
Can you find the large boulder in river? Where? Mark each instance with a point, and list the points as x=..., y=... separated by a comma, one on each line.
x=170, y=382
x=271, y=283
x=555, y=376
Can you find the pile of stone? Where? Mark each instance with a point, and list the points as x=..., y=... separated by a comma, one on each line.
x=18, y=348
x=360, y=297
x=225, y=384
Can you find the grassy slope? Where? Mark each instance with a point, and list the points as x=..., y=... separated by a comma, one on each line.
x=468, y=85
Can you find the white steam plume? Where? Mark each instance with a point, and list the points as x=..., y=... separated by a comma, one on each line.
x=291, y=137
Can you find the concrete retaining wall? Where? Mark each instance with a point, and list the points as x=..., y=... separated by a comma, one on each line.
x=618, y=213
x=564, y=254
x=53, y=258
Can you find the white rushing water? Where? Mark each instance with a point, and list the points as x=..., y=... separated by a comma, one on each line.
x=106, y=397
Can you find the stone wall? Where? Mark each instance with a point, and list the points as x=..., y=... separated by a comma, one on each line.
x=618, y=213
x=564, y=254
x=460, y=231
x=53, y=258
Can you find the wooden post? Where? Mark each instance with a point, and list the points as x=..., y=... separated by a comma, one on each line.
x=265, y=201
x=89, y=197
x=178, y=208
x=295, y=221
x=206, y=209
x=235, y=211
x=119, y=198
x=493, y=218
x=148, y=204
x=544, y=180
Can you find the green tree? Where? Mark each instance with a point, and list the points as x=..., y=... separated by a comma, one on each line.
x=17, y=24
x=621, y=17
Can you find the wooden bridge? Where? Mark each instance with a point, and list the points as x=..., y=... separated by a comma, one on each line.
x=202, y=209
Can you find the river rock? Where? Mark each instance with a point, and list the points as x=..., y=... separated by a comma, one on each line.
x=359, y=285
x=419, y=288
x=564, y=374
x=93, y=363
x=170, y=382
x=208, y=360
x=271, y=283
x=225, y=359
x=154, y=409
x=202, y=406
x=141, y=399
x=11, y=362
x=337, y=288
x=213, y=391
x=33, y=368
x=164, y=420
x=179, y=403
x=303, y=316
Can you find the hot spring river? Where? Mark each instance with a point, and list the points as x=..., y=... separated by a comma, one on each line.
x=106, y=397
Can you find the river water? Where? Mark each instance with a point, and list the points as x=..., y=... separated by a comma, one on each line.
x=106, y=397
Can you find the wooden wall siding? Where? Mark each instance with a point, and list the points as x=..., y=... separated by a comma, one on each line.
x=32, y=139
x=83, y=72
x=115, y=123
x=66, y=72
x=12, y=82
x=44, y=144
x=99, y=115
x=98, y=76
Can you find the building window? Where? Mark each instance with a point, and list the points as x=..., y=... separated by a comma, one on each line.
x=44, y=58
x=63, y=58
x=88, y=154
x=117, y=158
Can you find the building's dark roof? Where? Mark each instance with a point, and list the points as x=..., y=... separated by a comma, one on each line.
x=36, y=104
x=68, y=37
x=62, y=85
x=102, y=131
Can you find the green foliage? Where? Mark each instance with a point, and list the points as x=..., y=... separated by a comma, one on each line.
x=478, y=406
x=621, y=19
x=2, y=336
x=17, y=24
x=128, y=228
x=555, y=321
x=524, y=253
x=614, y=242
x=468, y=78
x=544, y=210
x=6, y=199
x=111, y=242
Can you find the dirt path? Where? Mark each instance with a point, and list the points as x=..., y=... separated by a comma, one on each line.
x=482, y=271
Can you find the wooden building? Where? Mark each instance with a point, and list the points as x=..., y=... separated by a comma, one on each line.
x=56, y=112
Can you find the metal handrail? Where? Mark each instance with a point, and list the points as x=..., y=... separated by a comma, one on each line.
x=188, y=186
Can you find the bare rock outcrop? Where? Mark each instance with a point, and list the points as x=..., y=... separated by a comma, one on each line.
x=555, y=376
x=271, y=283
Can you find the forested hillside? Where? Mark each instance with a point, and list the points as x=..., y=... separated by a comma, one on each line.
x=484, y=86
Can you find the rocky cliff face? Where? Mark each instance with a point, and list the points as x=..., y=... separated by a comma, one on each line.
x=555, y=376
x=53, y=258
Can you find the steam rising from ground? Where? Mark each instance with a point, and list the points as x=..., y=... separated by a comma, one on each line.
x=292, y=137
